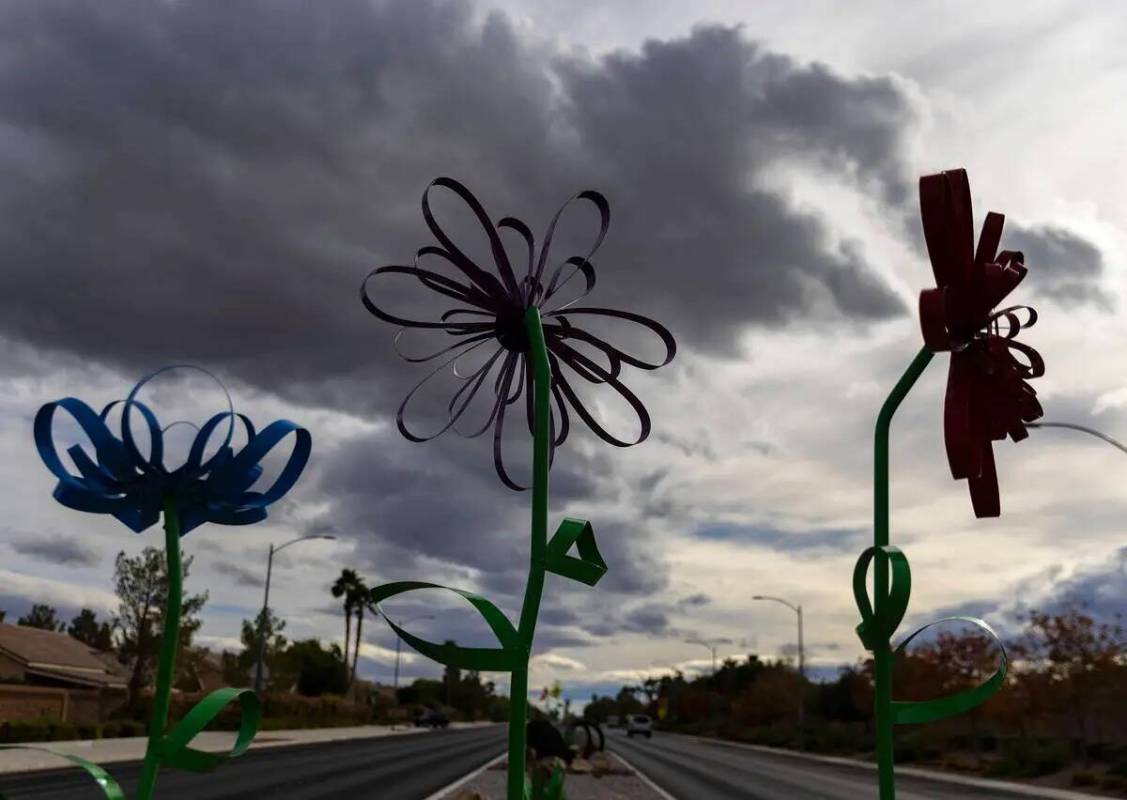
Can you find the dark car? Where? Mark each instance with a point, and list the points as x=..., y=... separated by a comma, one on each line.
x=431, y=719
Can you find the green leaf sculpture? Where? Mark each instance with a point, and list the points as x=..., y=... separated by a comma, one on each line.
x=537, y=337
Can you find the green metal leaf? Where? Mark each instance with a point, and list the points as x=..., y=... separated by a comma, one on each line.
x=174, y=749
x=489, y=659
x=589, y=567
x=110, y=788
x=907, y=712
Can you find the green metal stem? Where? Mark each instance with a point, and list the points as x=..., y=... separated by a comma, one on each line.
x=167, y=663
x=882, y=655
x=538, y=554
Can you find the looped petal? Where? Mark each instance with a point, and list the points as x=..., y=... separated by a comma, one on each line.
x=988, y=397
x=121, y=481
x=907, y=712
x=111, y=790
x=877, y=627
x=589, y=567
x=174, y=750
x=555, y=283
x=506, y=658
x=486, y=282
x=156, y=451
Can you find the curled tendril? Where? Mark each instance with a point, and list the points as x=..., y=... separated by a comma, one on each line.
x=120, y=480
x=988, y=394
x=492, y=304
x=879, y=626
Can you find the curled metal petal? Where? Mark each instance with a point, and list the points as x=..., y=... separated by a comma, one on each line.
x=492, y=304
x=118, y=479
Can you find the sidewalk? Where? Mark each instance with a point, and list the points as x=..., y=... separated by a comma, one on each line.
x=108, y=751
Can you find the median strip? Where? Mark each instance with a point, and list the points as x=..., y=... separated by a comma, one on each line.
x=597, y=779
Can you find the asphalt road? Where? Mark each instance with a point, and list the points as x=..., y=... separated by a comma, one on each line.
x=387, y=768
x=692, y=769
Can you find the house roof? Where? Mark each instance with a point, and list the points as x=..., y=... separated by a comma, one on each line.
x=59, y=656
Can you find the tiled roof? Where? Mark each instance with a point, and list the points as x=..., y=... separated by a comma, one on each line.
x=59, y=656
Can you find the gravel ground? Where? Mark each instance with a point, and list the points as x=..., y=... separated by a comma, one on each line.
x=605, y=778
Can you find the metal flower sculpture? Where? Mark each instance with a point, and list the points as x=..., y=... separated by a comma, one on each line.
x=535, y=338
x=137, y=489
x=491, y=313
x=987, y=398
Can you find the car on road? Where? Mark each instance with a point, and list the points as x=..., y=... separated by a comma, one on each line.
x=639, y=724
x=431, y=718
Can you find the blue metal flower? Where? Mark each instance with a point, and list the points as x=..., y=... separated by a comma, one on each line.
x=119, y=480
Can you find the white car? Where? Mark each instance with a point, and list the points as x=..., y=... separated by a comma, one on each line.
x=639, y=724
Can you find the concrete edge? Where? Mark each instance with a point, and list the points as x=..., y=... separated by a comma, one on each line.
x=462, y=781
x=664, y=795
x=1028, y=789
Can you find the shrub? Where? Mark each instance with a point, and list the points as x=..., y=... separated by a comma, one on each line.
x=1083, y=779
x=61, y=731
x=1113, y=783
x=130, y=728
x=39, y=730
x=1028, y=758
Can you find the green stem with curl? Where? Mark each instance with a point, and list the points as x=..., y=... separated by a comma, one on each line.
x=882, y=654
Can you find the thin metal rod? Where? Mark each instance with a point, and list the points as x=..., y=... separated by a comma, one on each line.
x=1082, y=428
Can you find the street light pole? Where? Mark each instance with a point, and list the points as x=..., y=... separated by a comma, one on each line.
x=797, y=609
x=266, y=606
x=711, y=648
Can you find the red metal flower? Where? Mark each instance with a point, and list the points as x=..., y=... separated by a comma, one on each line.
x=988, y=396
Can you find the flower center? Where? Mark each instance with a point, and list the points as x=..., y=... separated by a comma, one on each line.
x=510, y=330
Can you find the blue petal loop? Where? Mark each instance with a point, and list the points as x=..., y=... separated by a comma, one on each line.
x=119, y=480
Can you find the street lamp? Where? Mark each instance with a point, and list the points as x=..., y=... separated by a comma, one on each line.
x=797, y=609
x=711, y=648
x=398, y=643
x=266, y=605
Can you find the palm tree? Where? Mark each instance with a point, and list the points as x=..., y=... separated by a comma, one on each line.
x=346, y=586
x=360, y=602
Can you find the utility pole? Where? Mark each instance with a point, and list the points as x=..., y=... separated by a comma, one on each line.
x=258, y=661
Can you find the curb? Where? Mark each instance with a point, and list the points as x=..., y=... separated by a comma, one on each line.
x=1029, y=790
x=450, y=787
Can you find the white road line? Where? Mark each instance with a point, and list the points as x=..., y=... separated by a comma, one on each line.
x=661, y=792
x=1030, y=790
x=445, y=790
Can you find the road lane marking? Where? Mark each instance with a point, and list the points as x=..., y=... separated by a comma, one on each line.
x=1020, y=789
x=661, y=792
x=445, y=790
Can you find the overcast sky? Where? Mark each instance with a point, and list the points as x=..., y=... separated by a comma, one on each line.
x=210, y=183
